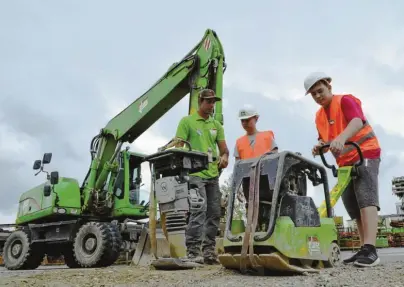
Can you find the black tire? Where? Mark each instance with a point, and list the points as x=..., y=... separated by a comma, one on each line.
x=68, y=256
x=19, y=254
x=95, y=245
x=114, y=248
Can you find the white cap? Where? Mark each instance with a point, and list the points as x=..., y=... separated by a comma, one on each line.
x=314, y=78
x=246, y=114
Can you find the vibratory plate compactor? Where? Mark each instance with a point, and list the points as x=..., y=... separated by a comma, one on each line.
x=284, y=231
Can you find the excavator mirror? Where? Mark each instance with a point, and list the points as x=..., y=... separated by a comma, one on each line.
x=37, y=164
x=54, y=177
x=47, y=158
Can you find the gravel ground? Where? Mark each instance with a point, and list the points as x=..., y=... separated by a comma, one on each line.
x=387, y=274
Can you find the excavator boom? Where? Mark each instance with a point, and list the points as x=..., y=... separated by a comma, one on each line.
x=202, y=67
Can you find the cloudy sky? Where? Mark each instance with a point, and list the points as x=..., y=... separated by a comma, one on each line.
x=67, y=67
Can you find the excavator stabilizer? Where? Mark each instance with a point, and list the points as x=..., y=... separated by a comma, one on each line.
x=284, y=231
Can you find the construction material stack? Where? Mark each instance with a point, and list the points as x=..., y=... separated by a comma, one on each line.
x=398, y=189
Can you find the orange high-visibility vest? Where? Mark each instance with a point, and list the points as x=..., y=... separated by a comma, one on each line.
x=330, y=128
x=263, y=143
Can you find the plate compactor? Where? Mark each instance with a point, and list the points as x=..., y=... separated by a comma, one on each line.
x=284, y=229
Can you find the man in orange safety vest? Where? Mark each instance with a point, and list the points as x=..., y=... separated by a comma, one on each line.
x=340, y=119
x=254, y=143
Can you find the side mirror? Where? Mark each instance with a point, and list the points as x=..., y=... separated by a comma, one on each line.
x=54, y=177
x=47, y=189
x=47, y=158
x=37, y=164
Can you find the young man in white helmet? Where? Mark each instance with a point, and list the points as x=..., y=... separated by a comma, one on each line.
x=340, y=119
x=254, y=143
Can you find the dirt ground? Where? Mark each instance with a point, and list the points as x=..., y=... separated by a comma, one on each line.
x=387, y=274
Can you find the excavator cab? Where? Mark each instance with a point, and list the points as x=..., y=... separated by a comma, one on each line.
x=127, y=184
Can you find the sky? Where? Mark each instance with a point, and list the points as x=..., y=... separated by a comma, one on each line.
x=68, y=67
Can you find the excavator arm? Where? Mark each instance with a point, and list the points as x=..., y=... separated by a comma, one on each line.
x=202, y=67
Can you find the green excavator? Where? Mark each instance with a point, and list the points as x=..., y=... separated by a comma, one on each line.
x=90, y=224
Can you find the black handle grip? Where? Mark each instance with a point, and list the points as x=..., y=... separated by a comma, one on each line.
x=332, y=167
x=187, y=143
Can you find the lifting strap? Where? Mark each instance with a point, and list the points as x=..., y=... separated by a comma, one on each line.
x=252, y=215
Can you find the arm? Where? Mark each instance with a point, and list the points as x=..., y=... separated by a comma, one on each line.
x=353, y=127
x=236, y=153
x=354, y=116
x=223, y=150
x=316, y=149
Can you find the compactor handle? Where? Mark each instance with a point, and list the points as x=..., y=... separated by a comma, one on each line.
x=173, y=142
x=332, y=167
x=186, y=143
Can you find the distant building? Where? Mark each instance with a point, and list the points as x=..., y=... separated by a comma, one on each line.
x=398, y=208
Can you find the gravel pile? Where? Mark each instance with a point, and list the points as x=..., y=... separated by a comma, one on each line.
x=387, y=274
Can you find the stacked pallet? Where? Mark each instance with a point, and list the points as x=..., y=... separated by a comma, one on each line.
x=397, y=223
x=397, y=240
x=397, y=236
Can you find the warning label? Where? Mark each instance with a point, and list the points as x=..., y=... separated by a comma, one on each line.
x=313, y=245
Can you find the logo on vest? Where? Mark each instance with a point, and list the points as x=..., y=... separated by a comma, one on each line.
x=331, y=122
x=213, y=132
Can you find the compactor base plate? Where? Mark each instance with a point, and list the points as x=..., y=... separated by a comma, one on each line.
x=271, y=262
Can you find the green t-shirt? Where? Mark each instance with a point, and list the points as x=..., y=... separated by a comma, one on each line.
x=202, y=134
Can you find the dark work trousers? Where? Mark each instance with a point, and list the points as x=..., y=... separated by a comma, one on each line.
x=203, y=225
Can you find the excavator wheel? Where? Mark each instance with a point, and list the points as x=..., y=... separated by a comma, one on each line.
x=19, y=254
x=68, y=255
x=112, y=253
x=95, y=245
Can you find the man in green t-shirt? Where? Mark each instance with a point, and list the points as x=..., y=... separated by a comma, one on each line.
x=205, y=134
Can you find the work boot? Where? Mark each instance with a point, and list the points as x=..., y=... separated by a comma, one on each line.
x=195, y=257
x=368, y=257
x=209, y=257
x=353, y=258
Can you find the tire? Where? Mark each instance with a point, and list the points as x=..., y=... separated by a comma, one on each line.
x=68, y=255
x=18, y=253
x=334, y=256
x=95, y=245
x=114, y=249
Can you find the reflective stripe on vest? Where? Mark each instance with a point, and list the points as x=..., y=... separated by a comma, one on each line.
x=330, y=129
x=264, y=142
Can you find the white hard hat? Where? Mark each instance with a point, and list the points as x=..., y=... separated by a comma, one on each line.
x=314, y=78
x=246, y=114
